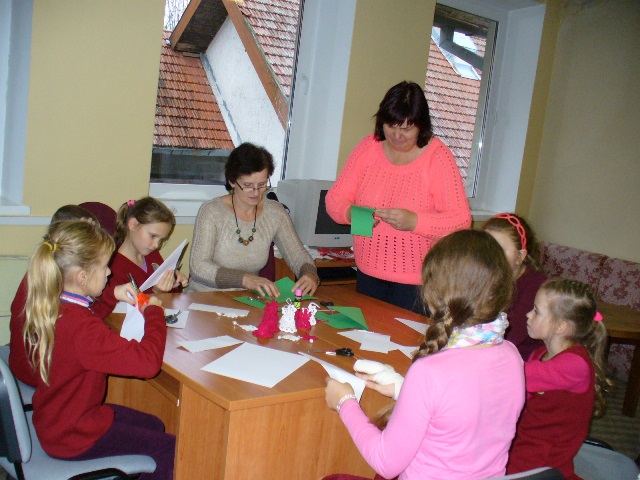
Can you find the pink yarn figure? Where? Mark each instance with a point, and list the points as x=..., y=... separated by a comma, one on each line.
x=269, y=323
x=302, y=319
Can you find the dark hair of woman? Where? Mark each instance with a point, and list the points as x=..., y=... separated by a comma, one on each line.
x=247, y=159
x=404, y=102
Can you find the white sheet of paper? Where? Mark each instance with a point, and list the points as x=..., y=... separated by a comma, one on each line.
x=182, y=318
x=121, y=307
x=224, y=311
x=170, y=263
x=417, y=326
x=340, y=375
x=366, y=337
x=408, y=351
x=133, y=325
x=209, y=343
x=260, y=365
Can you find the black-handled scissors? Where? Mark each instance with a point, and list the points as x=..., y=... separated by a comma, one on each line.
x=343, y=352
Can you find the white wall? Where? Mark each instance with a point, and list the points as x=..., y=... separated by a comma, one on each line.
x=246, y=108
x=587, y=189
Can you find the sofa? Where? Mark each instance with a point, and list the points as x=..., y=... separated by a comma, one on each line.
x=613, y=280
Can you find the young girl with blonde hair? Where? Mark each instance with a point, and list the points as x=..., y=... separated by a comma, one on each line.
x=565, y=378
x=73, y=351
x=457, y=410
x=142, y=227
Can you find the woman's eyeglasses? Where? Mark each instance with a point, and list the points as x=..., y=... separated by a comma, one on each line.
x=260, y=188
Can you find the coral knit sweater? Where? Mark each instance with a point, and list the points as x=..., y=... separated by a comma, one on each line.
x=69, y=414
x=430, y=186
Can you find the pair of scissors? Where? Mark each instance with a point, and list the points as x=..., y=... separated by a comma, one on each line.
x=141, y=297
x=343, y=352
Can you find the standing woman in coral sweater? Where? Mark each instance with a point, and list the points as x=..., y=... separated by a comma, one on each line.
x=411, y=179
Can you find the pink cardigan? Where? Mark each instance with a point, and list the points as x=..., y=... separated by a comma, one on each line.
x=431, y=186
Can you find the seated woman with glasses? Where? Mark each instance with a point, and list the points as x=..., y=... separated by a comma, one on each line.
x=233, y=234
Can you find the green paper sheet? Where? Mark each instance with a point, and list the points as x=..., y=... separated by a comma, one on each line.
x=247, y=301
x=284, y=285
x=348, y=317
x=362, y=221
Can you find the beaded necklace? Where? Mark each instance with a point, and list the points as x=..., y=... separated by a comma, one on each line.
x=253, y=230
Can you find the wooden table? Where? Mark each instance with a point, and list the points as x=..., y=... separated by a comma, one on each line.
x=229, y=429
x=623, y=326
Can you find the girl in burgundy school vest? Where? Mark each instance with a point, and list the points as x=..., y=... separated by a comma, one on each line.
x=565, y=378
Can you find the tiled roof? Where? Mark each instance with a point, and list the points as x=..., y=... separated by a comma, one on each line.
x=274, y=23
x=187, y=114
x=453, y=103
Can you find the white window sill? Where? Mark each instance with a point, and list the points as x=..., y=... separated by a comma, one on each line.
x=8, y=207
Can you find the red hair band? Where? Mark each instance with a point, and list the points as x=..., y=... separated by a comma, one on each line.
x=597, y=317
x=515, y=221
x=131, y=203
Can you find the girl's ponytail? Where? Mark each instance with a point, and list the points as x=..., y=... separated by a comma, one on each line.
x=43, y=302
x=596, y=343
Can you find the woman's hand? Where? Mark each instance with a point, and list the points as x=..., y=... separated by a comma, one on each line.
x=166, y=282
x=264, y=286
x=335, y=391
x=121, y=291
x=308, y=283
x=398, y=218
x=388, y=390
x=153, y=301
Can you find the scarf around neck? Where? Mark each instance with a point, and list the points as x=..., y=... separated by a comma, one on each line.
x=481, y=334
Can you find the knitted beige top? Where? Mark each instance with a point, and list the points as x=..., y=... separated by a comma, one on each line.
x=218, y=260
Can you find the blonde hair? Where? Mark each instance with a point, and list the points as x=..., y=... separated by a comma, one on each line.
x=466, y=281
x=575, y=302
x=147, y=210
x=68, y=245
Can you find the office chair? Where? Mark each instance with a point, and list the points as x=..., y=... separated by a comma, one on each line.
x=21, y=454
x=542, y=473
x=26, y=391
x=598, y=461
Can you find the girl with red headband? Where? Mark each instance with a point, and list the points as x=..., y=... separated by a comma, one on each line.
x=518, y=241
x=565, y=378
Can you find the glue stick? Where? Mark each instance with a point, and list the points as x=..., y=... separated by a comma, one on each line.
x=298, y=299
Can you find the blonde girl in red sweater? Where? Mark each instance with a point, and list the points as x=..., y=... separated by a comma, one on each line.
x=73, y=351
x=565, y=378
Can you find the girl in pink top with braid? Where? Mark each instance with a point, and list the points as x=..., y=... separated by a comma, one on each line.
x=565, y=378
x=457, y=410
x=411, y=178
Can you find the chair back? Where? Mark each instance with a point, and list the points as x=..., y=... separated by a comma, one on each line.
x=15, y=439
x=106, y=215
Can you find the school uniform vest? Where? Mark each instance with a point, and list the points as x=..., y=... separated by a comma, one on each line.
x=553, y=425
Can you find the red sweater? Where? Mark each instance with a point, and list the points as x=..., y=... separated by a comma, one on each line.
x=430, y=186
x=69, y=414
x=18, y=362
x=121, y=267
x=557, y=414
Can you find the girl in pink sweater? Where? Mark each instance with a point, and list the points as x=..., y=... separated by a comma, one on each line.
x=411, y=178
x=457, y=410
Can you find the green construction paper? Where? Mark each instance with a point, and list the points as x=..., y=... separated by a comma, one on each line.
x=362, y=221
x=347, y=317
x=285, y=285
x=248, y=301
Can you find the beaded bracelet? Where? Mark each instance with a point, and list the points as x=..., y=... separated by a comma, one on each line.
x=344, y=399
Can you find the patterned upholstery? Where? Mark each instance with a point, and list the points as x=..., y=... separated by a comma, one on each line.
x=613, y=280
x=569, y=262
x=620, y=285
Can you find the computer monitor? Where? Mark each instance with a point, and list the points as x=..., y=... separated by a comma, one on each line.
x=306, y=202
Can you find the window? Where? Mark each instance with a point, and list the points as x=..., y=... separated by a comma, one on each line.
x=15, y=55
